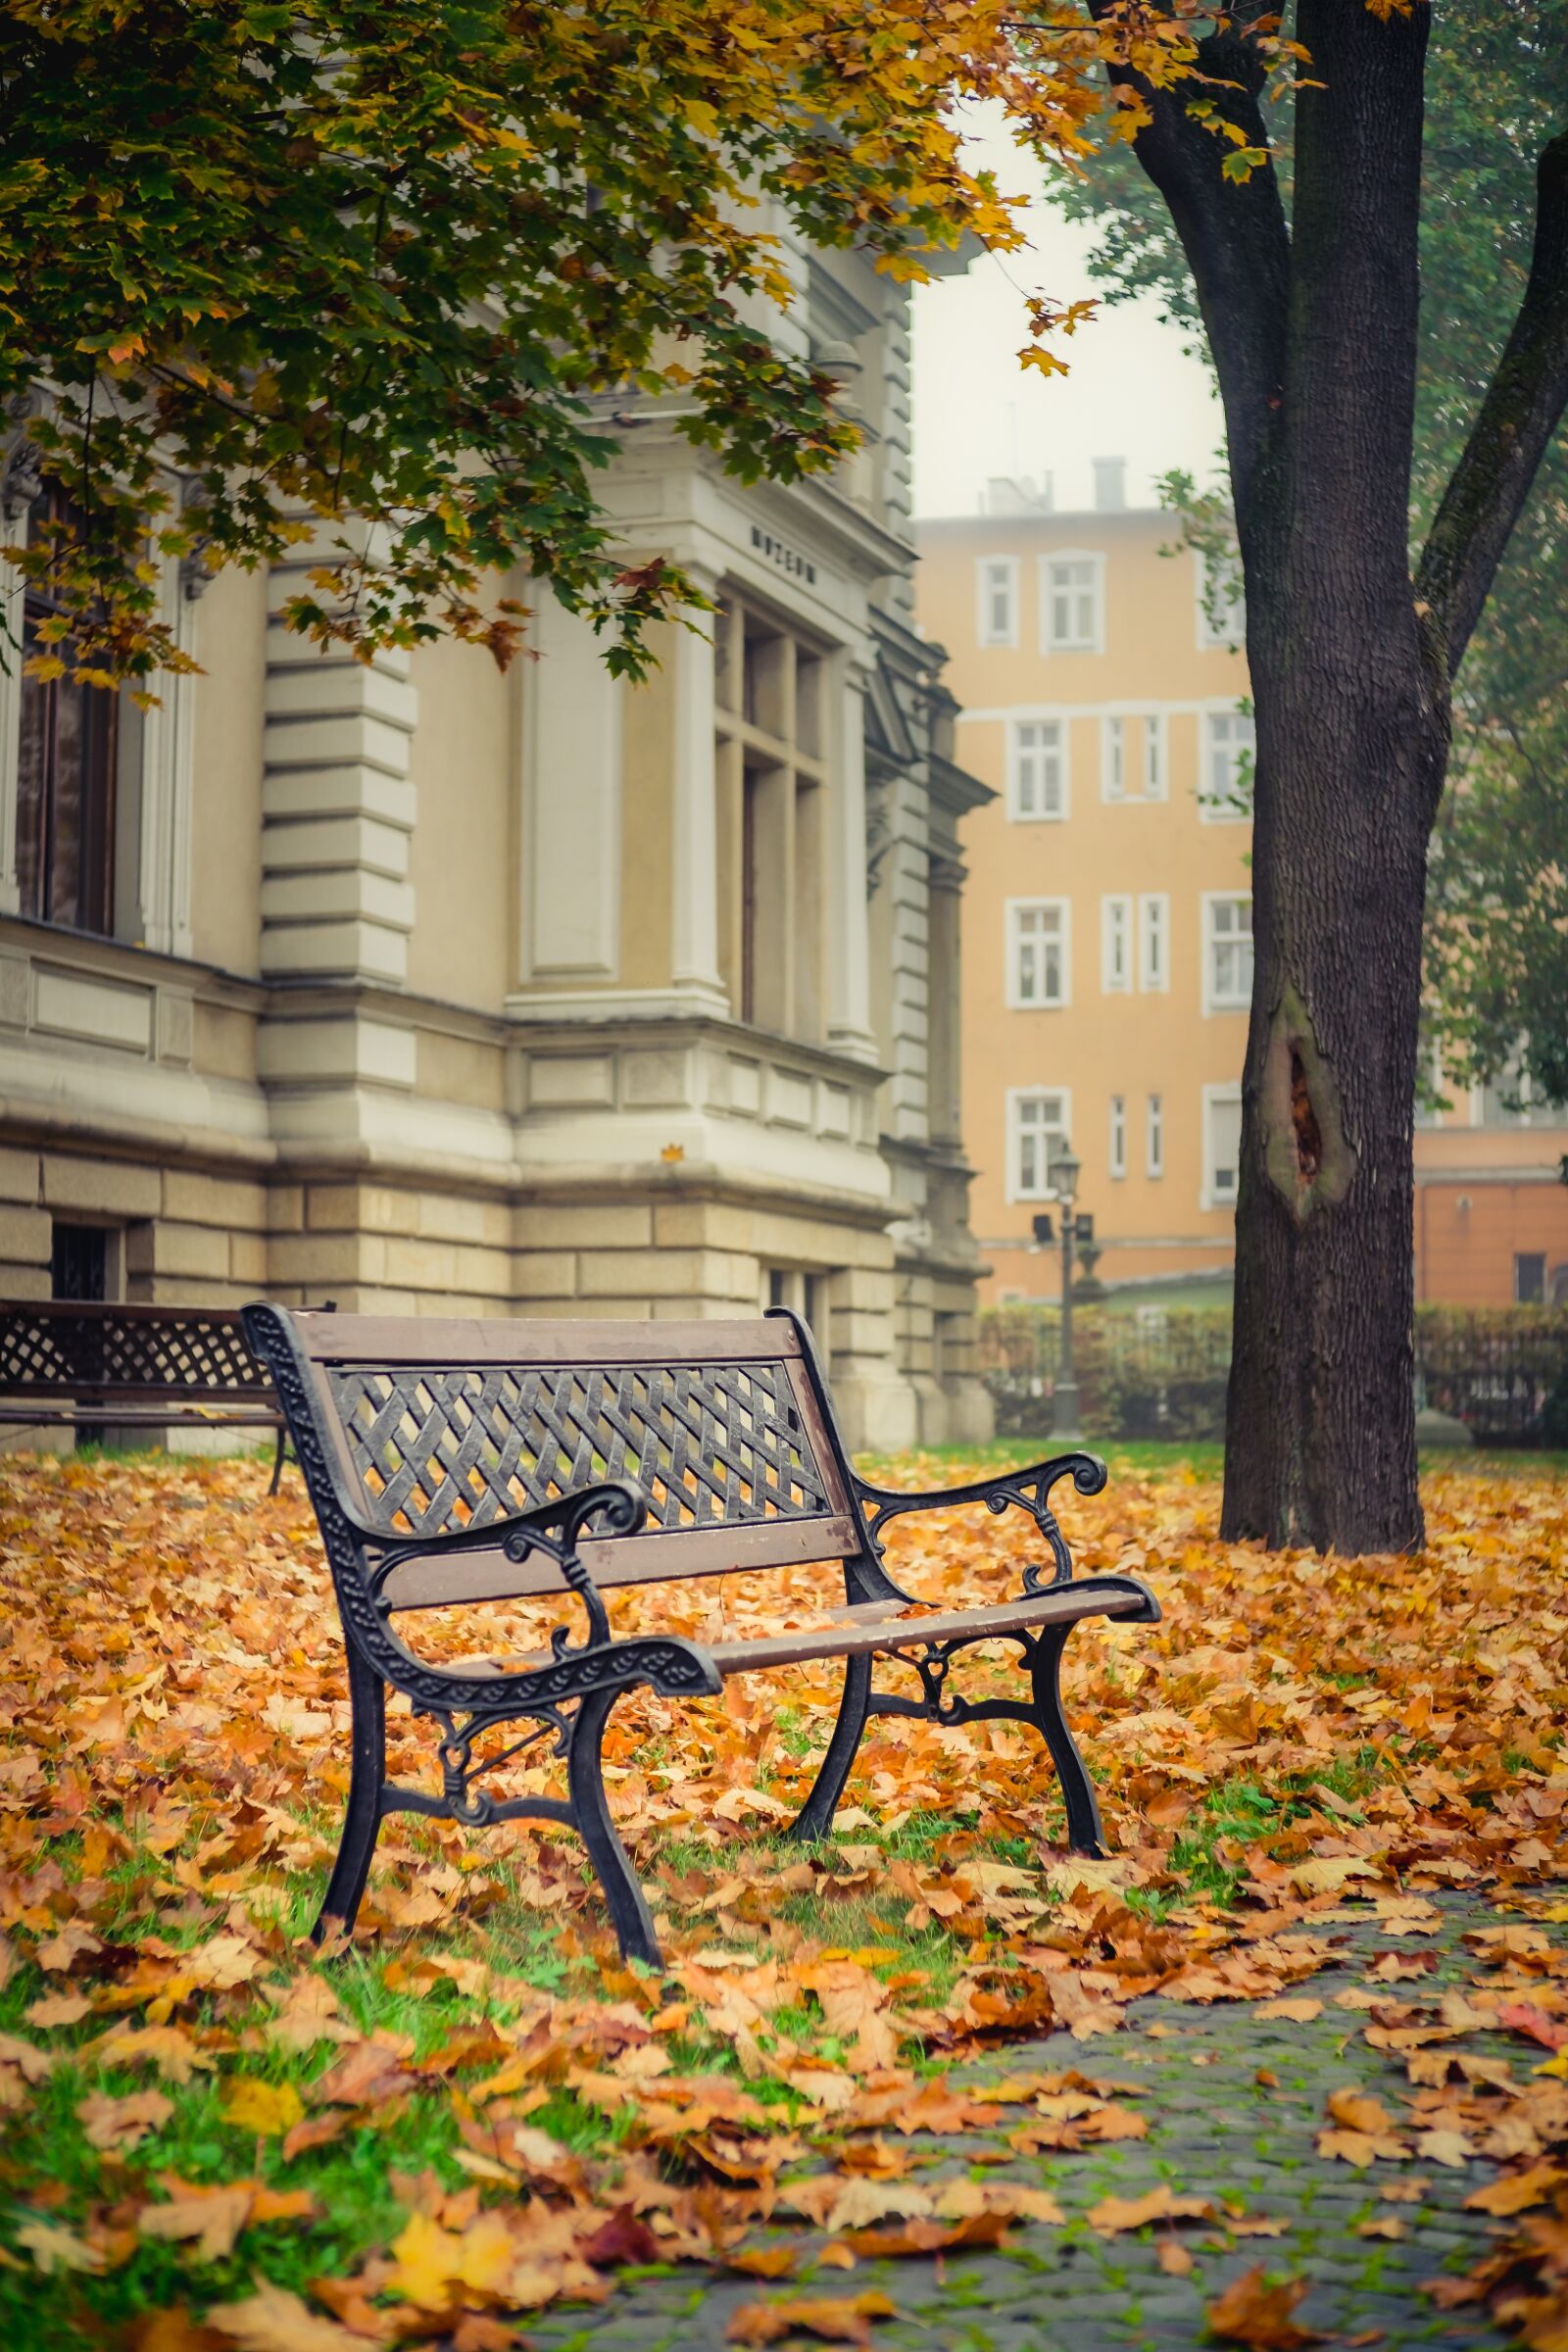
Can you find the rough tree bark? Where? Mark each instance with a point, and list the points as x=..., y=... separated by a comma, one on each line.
x=1312, y=326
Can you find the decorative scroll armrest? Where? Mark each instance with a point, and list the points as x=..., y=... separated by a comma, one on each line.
x=551, y=1528
x=1029, y=1488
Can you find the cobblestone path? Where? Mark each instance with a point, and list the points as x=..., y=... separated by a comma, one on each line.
x=1214, y=2130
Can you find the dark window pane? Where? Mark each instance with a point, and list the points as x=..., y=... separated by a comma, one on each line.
x=65, y=789
x=1529, y=1278
x=80, y=1259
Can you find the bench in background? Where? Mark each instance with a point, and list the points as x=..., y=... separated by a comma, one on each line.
x=68, y=1362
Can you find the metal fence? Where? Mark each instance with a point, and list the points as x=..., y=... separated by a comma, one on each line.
x=1162, y=1372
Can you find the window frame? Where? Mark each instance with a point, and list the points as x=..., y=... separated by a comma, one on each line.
x=1016, y=1098
x=1153, y=903
x=1016, y=811
x=1154, y=1137
x=1095, y=642
x=1208, y=642
x=1212, y=1001
x=1012, y=933
x=1111, y=902
x=1218, y=1094
x=1116, y=1141
x=986, y=636
x=1209, y=811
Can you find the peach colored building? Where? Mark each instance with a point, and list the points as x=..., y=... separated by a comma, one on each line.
x=1107, y=959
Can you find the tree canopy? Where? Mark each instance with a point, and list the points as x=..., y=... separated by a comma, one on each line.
x=368, y=259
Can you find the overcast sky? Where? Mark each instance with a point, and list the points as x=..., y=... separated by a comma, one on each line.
x=1133, y=392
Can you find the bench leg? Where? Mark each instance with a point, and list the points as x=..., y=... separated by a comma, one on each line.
x=628, y=1908
x=277, y=1461
x=363, y=1821
x=1044, y=1657
x=815, y=1817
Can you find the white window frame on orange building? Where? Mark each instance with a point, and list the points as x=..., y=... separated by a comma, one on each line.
x=1020, y=940
x=1035, y=758
x=1079, y=640
x=1041, y=1189
x=1214, y=808
x=1225, y=1094
x=993, y=576
x=1215, y=941
x=1154, y=924
x=1116, y=1153
x=1154, y=1137
x=1116, y=944
x=1231, y=638
x=1133, y=754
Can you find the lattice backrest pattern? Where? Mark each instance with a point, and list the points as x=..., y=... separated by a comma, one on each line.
x=48, y=1348
x=713, y=1445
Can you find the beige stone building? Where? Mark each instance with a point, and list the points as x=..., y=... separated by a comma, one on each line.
x=1107, y=962
x=418, y=986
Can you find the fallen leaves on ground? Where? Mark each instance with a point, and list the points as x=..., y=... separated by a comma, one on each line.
x=1300, y=1744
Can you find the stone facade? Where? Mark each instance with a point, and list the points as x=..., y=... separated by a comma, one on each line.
x=430, y=988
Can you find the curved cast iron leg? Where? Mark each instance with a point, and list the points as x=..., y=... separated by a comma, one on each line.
x=363, y=1821
x=628, y=1909
x=815, y=1817
x=1084, y=1833
x=277, y=1461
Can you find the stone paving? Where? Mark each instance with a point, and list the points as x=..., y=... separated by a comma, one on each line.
x=1214, y=2132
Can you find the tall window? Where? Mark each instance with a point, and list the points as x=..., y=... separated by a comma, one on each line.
x=1227, y=953
x=1132, y=756
x=1118, y=1134
x=1230, y=751
x=1037, y=1125
x=1153, y=940
x=64, y=778
x=1154, y=1136
x=1039, y=970
x=1221, y=602
x=1222, y=1147
x=996, y=591
x=1116, y=945
x=1037, y=768
x=1529, y=1278
x=773, y=780
x=1116, y=755
x=1072, y=618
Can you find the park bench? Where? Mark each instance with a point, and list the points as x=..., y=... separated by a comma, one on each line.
x=74, y=1362
x=462, y=1461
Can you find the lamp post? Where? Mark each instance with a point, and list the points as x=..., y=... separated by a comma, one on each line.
x=1065, y=1171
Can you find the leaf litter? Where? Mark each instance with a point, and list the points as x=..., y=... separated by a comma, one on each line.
x=1301, y=1743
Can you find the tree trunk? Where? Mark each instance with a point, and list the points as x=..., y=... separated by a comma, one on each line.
x=1351, y=705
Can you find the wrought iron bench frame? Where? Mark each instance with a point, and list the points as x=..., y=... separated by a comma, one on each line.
x=402, y=1426
x=128, y=1366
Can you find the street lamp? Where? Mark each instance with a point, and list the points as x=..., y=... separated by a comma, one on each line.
x=1064, y=1171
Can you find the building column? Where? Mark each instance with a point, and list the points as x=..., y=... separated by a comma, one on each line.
x=337, y=804
x=849, y=986
x=168, y=774
x=694, y=815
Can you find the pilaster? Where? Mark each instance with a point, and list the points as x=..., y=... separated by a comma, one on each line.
x=337, y=804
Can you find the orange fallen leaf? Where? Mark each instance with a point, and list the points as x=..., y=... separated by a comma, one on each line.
x=1113, y=2215
x=846, y=2320
x=1257, y=2316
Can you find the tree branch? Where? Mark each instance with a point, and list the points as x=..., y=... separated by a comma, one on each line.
x=1522, y=409
x=1233, y=233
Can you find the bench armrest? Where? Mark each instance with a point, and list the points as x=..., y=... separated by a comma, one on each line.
x=1028, y=1489
x=551, y=1528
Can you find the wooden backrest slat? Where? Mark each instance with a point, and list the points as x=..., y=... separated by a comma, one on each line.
x=435, y=1424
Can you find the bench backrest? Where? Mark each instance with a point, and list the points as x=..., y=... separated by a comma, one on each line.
x=128, y=1355
x=429, y=1425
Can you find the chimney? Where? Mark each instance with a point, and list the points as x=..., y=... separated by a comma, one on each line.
x=1010, y=494
x=1110, y=485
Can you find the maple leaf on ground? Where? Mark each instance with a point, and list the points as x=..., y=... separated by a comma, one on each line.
x=1257, y=2316
x=1113, y=2215
x=265, y=2108
x=845, y=2320
x=122, y=2124
x=1515, y=2192
x=272, y=2319
x=56, y=2249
